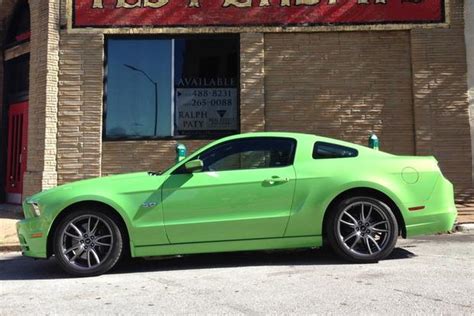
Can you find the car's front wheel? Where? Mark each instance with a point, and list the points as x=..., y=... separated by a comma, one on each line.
x=362, y=229
x=88, y=242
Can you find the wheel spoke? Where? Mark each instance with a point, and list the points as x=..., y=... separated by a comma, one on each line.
x=362, y=217
x=355, y=242
x=102, y=244
x=377, y=230
x=77, y=254
x=95, y=226
x=72, y=235
x=350, y=236
x=374, y=242
x=347, y=223
x=89, y=224
x=96, y=257
x=369, y=213
x=71, y=249
x=351, y=217
x=76, y=229
x=368, y=245
x=89, y=258
x=102, y=237
x=380, y=223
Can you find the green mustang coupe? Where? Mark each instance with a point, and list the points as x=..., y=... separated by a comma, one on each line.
x=244, y=192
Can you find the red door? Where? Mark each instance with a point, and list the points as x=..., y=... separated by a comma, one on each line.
x=17, y=150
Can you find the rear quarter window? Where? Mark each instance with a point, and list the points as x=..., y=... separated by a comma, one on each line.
x=324, y=150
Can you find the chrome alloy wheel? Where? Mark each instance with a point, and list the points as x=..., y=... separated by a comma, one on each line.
x=363, y=228
x=86, y=241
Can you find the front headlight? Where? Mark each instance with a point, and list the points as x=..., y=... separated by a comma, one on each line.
x=35, y=206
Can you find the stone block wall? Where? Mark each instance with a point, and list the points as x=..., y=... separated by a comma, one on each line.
x=81, y=75
x=407, y=86
x=469, y=39
x=440, y=97
x=43, y=100
x=343, y=85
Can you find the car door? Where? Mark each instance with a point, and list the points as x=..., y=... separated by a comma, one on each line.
x=245, y=191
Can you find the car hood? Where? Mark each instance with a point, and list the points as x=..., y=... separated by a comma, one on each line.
x=101, y=183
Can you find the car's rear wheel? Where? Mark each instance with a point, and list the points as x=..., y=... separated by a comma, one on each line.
x=88, y=242
x=362, y=229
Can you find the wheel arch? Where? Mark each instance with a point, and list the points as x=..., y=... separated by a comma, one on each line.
x=111, y=211
x=368, y=192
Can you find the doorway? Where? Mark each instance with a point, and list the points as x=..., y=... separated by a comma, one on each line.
x=16, y=151
x=14, y=104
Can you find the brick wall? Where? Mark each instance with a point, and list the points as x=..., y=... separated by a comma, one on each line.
x=120, y=157
x=440, y=98
x=252, y=87
x=342, y=85
x=469, y=37
x=339, y=84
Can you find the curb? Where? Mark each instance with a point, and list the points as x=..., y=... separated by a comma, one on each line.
x=10, y=248
x=465, y=228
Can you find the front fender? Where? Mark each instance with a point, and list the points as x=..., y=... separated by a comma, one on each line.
x=92, y=198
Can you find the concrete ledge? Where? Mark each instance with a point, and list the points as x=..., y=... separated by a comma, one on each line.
x=465, y=227
x=10, y=248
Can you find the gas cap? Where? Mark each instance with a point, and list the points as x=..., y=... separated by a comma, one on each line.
x=410, y=175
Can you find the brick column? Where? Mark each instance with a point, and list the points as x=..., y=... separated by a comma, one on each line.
x=469, y=34
x=252, y=94
x=440, y=99
x=41, y=166
x=80, y=106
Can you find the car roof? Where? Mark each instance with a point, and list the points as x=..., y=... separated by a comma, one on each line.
x=301, y=137
x=269, y=134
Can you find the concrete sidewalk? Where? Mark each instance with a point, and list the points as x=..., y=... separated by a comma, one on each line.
x=10, y=215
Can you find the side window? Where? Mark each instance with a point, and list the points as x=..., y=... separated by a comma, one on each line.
x=324, y=150
x=251, y=153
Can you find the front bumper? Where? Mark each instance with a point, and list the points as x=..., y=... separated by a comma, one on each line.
x=33, y=237
x=439, y=215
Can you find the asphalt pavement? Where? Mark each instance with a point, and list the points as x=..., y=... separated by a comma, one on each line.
x=428, y=275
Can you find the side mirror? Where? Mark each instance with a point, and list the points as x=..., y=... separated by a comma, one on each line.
x=194, y=165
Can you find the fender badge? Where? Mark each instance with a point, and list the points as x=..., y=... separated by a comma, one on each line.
x=149, y=204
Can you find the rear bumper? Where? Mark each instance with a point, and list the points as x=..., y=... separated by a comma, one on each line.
x=439, y=214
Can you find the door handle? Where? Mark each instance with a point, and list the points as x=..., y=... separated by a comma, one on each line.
x=277, y=180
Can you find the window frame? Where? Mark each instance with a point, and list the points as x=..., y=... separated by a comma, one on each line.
x=201, y=136
x=21, y=10
x=334, y=145
x=180, y=170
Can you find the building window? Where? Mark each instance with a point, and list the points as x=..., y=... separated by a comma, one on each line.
x=172, y=87
x=19, y=30
x=17, y=85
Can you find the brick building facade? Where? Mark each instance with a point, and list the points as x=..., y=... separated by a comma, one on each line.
x=408, y=85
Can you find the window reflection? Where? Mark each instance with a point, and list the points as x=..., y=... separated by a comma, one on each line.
x=186, y=86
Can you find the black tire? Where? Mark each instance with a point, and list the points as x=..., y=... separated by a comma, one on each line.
x=358, y=239
x=88, y=254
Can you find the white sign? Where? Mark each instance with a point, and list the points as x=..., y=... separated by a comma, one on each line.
x=206, y=109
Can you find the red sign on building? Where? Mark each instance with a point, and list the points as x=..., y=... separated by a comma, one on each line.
x=253, y=13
